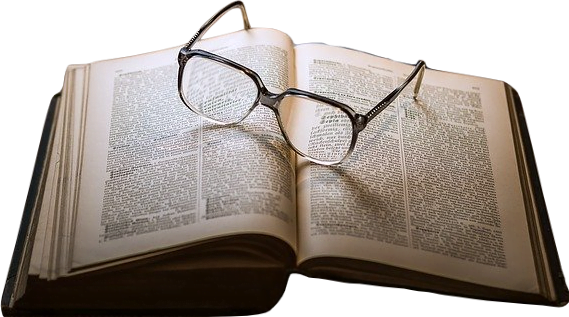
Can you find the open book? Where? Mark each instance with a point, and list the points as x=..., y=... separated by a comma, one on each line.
x=141, y=205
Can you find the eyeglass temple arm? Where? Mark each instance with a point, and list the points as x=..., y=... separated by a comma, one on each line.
x=420, y=70
x=216, y=17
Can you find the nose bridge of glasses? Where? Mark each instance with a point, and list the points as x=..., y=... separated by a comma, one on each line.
x=268, y=99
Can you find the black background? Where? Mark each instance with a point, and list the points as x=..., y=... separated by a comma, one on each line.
x=521, y=43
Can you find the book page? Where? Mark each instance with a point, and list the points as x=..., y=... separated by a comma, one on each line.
x=156, y=175
x=431, y=186
x=56, y=212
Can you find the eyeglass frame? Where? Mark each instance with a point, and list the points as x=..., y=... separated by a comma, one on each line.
x=272, y=100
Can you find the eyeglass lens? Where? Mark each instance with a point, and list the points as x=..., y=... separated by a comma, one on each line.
x=217, y=91
x=326, y=131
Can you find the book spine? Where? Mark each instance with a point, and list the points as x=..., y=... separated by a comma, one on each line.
x=27, y=218
x=558, y=279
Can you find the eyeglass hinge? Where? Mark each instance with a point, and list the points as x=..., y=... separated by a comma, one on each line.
x=361, y=122
x=183, y=54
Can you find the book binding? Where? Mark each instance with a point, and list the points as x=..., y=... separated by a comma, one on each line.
x=27, y=222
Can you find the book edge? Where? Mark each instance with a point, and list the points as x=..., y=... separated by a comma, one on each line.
x=558, y=279
x=26, y=221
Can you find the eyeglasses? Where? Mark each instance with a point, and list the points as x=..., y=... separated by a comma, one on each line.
x=226, y=92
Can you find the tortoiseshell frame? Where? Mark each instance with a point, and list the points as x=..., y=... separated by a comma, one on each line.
x=272, y=100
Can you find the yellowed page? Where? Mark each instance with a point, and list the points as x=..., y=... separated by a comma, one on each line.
x=52, y=235
x=155, y=175
x=432, y=185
